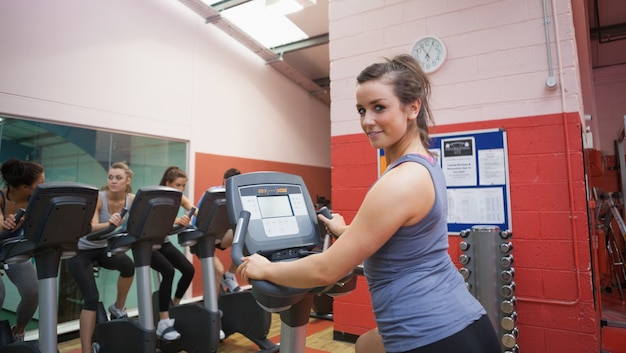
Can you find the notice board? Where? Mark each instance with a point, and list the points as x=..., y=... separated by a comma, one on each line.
x=475, y=164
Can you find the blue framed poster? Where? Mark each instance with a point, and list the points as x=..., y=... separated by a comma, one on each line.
x=475, y=164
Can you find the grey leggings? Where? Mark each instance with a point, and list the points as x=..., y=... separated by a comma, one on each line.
x=24, y=277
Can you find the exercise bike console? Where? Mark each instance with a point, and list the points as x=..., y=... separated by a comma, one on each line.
x=276, y=213
x=274, y=217
x=283, y=224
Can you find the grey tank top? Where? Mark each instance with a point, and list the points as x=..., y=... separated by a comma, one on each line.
x=418, y=295
x=103, y=216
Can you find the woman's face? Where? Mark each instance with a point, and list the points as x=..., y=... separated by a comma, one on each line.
x=178, y=184
x=117, y=180
x=31, y=188
x=383, y=118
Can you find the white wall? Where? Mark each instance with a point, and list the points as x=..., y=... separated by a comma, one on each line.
x=497, y=57
x=153, y=67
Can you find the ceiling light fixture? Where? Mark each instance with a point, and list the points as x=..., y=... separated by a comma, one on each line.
x=267, y=27
x=285, y=7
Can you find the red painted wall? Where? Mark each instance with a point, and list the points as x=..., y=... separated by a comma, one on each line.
x=549, y=225
x=210, y=170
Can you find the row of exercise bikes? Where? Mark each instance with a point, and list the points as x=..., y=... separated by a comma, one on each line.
x=58, y=214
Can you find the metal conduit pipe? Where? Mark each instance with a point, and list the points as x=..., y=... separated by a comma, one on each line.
x=551, y=81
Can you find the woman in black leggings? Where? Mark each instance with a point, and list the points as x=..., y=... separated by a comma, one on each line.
x=115, y=196
x=168, y=258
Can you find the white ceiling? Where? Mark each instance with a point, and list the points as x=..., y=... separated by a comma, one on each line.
x=306, y=62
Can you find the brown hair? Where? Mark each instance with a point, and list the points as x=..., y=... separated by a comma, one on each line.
x=230, y=172
x=171, y=173
x=16, y=173
x=409, y=83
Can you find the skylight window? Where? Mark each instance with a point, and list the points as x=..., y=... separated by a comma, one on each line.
x=265, y=21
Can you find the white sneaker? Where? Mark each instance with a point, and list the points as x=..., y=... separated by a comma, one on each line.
x=222, y=335
x=166, y=331
x=117, y=313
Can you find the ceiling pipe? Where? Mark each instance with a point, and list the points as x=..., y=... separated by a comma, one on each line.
x=302, y=44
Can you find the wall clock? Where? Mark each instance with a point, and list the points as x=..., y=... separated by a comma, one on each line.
x=430, y=52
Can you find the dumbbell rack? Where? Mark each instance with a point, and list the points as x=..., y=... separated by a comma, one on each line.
x=488, y=271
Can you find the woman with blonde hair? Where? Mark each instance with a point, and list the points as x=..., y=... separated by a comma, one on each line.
x=116, y=195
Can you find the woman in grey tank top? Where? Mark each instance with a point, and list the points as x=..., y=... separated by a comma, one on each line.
x=115, y=196
x=419, y=299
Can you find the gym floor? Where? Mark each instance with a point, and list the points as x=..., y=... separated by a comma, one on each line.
x=319, y=340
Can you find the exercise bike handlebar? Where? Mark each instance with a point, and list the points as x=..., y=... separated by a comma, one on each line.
x=106, y=232
x=18, y=216
x=177, y=228
x=236, y=251
x=328, y=214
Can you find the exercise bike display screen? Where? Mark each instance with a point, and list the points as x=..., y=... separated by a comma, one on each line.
x=281, y=212
x=276, y=206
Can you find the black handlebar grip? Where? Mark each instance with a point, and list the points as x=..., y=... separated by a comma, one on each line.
x=104, y=233
x=325, y=212
x=18, y=217
x=177, y=228
x=19, y=214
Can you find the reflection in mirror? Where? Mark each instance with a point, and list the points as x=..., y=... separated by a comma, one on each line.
x=83, y=155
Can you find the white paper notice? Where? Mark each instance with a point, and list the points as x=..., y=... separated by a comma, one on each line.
x=476, y=206
x=491, y=167
x=459, y=161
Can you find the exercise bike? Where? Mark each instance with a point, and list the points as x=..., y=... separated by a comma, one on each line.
x=150, y=220
x=275, y=218
x=199, y=323
x=56, y=217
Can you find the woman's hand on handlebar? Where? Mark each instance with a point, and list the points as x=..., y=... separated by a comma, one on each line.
x=116, y=219
x=254, y=266
x=335, y=226
x=9, y=222
x=184, y=221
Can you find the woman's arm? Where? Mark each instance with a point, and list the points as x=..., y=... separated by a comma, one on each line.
x=186, y=203
x=401, y=197
x=115, y=219
x=185, y=220
x=7, y=222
